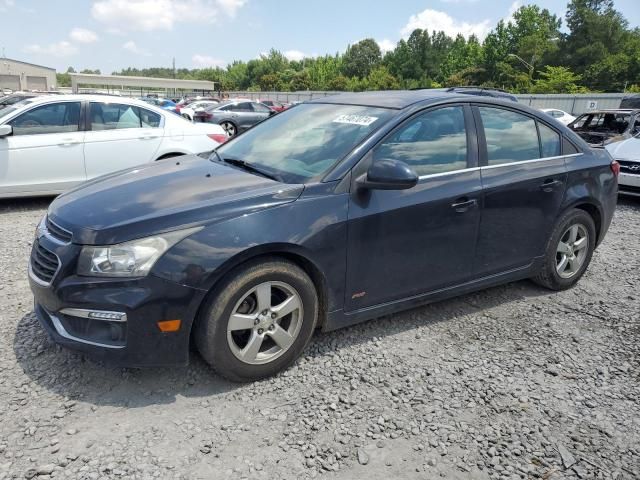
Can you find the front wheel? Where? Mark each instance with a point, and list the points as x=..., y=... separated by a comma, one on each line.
x=569, y=251
x=258, y=321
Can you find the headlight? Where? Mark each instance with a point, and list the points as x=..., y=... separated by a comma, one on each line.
x=130, y=259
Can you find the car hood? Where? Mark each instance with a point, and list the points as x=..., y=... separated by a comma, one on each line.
x=163, y=196
x=626, y=149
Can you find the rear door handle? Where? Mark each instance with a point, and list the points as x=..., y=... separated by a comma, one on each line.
x=67, y=142
x=463, y=204
x=550, y=185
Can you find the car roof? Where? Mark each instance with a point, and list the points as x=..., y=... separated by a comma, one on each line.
x=396, y=99
x=613, y=110
x=87, y=97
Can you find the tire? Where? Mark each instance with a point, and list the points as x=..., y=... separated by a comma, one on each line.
x=566, y=262
x=228, y=345
x=230, y=128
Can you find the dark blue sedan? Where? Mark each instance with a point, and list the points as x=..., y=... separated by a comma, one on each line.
x=336, y=211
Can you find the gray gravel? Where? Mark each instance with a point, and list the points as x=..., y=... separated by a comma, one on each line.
x=510, y=383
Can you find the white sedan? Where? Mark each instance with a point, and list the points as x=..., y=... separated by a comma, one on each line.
x=560, y=115
x=49, y=144
x=199, y=105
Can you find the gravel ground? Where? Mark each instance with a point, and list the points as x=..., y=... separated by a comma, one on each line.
x=509, y=383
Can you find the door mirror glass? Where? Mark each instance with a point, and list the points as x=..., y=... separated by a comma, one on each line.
x=388, y=174
x=5, y=130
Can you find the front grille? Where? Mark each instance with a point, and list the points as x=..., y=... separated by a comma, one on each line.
x=631, y=168
x=44, y=264
x=58, y=232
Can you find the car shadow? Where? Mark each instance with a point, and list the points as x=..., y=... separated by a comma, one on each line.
x=24, y=204
x=73, y=375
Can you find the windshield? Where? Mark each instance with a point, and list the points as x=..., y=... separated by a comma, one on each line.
x=306, y=141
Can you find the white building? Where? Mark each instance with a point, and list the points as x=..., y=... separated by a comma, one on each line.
x=17, y=75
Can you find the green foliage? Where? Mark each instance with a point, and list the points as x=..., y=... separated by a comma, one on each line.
x=529, y=53
x=361, y=58
x=557, y=80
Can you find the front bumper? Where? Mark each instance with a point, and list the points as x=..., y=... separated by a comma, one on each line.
x=629, y=184
x=136, y=341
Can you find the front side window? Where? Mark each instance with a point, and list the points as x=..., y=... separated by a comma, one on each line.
x=434, y=142
x=305, y=142
x=550, y=141
x=510, y=136
x=52, y=118
x=258, y=107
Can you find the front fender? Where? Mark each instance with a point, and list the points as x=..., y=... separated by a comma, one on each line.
x=312, y=227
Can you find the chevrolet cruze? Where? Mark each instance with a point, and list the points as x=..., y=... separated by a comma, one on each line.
x=339, y=210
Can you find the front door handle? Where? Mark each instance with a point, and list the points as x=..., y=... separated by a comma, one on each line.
x=550, y=185
x=463, y=204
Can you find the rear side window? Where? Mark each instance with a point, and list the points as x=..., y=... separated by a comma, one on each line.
x=434, y=142
x=118, y=116
x=568, y=148
x=51, y=118
x=510, y=136
x=258, y=107
x=549, y=140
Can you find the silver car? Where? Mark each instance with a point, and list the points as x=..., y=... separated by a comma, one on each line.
x=234, y=116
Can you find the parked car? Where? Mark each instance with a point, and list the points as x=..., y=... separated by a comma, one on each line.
x=188, y=111
x=600, y=127
x=275, y=106
x=49, y=144
x=163, y=103
x=234, y=116
x=560, y=115
x=336, y=211
x=15, y=98
x=627, y=153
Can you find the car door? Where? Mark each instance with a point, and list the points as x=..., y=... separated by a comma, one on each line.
x=406, y=242
x=262, y=112
x=244, y=115
x=120, y=136
x=44, y=154
x=523, y=180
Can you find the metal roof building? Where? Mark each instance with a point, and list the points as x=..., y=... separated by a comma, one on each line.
x=127, y=82
x=18, y=75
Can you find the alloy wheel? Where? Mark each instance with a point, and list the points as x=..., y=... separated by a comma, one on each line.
x=265, y=322
x=229, y=128
x=572, y=250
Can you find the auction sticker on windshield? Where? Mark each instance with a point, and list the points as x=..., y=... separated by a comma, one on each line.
x=356, y=119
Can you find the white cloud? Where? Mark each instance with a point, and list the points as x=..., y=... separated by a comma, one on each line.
x=231, y=7
x=512, y=9
x=82, y=35
x=295, y=55
x=131, y=46
x=431, y=20
x=6, y=5
x=148, y=15
x=386, y=45
x=207, y=61
x=58, y=49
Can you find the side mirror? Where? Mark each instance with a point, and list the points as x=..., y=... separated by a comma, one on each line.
x=6, y=130
x=272, y=112
x=388, y=174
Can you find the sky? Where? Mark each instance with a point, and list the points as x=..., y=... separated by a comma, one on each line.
x=114, y=34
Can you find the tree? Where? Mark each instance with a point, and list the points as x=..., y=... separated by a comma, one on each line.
x=381, y=79
x=361, y=58
x=557, y=80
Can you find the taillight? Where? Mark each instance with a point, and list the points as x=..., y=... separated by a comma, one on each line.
x=615, y=168
x=178, y=108
x=217, y=137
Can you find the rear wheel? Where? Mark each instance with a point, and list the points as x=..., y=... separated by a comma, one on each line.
x=229, y=128
x=258, y=321
x=569, y=251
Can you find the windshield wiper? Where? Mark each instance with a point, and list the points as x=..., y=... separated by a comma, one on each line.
x=249, y=167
